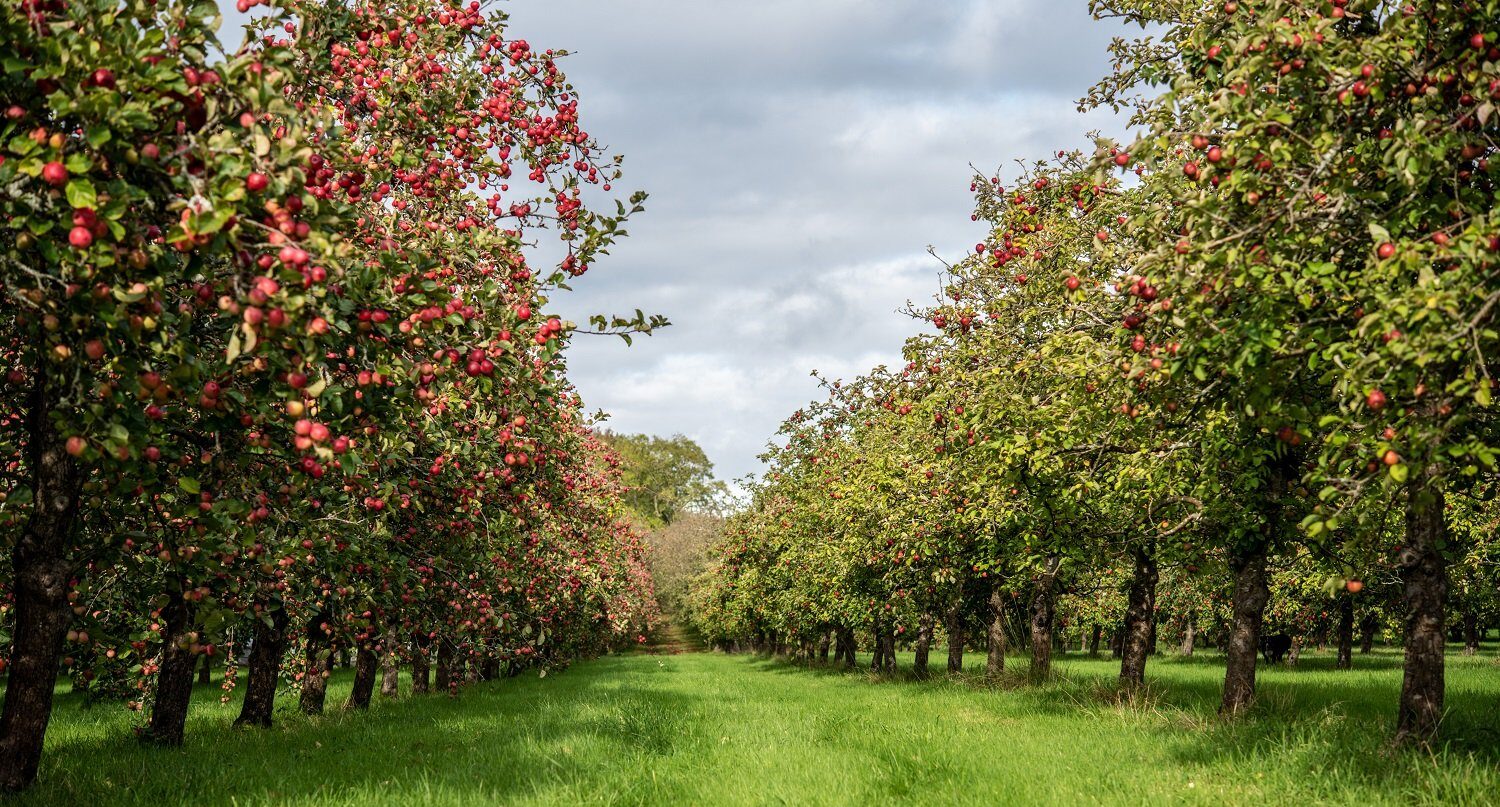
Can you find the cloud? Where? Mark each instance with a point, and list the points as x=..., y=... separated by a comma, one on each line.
x=801, y=156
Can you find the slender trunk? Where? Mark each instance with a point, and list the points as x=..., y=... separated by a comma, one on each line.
x=1424, y=572
x=319, y=658
x=955, y=628
x=366, y=663
x=1367, y=627
x=1043, y=611
x=265, y=670
x=205, y=670
x=489, y=669
x=420, y=670
x=315, y=680
x=447, y=654
x=1189, y=634
x=1251, y=593
x=888, y=649
x=1295, y=654
x=1151, y=635
x=823, y=643
x=1139, y=607
x=924, y=644
x=1117, y=643
x=390, y=668
x=40, y=573
x=994, y=663
x=1471, y=633
x=1095, y=637
x=1346, y=632
x=174, y=682
x=844, y=646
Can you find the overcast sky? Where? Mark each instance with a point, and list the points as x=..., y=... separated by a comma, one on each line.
x=801, y=155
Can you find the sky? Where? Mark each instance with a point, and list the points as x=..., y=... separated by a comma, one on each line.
x=801, y=156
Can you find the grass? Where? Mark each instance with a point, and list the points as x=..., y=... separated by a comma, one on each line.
x=711, y=729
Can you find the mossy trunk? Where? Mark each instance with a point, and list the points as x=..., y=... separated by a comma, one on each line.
x=39, y=583
x=1043, y=615
x=1424, y=571
x=994, y=663
x=954, y=624
x=1251, y=594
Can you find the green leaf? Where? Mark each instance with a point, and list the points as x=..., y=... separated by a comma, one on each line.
x=81, y=194
x=1398, y=472
x=98, y=135
x=188, y=484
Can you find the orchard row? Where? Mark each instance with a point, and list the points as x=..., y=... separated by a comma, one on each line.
x=1232, y=377
x=277, y=376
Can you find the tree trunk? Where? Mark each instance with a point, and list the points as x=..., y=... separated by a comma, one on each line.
x=205, y=670
x=1367, y=627
x=366, y=663
x=265, y=670
x=924, y=645
x=994, y=663
x=1346, y=632
x=1139, y=607
x=1095, y=637
x=1295, y=654
x=319, y=662
x=1189, y=634
x=1117, y=643
x=844, y=646
x=955, y=628
x=174, y=682
x=447, y=653
x=1043, y=611
x=888, y=649
x=420, y=671
x=390, y=669
x=489, y=669
x=40, y=572
x=1251, y=593
x=824, y=640
x=1471, y=633
x=1424, y=572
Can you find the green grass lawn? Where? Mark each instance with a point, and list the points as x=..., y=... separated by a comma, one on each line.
x=713, y=729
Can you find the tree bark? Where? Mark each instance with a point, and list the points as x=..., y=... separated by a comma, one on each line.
x=1189, y=634
x=1471, y=633
x=265, y=670
x=1425, y=575
x=1251, y=593
x=420, y=670
x=1367, y=627
x=40, y=572
x=366, y=663
x=888, y=649
x=174, y=682
x=1346, y=632
x=205, y=670
x=955, y=628
x=994, y=663
x=923, y=646
x=1095, y=637
x=1139, y=607
x=447, y=653
x=824, y=640
x=1043, y=612
x=844, y=650
x=319, y=658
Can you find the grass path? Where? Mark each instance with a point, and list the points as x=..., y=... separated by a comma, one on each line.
x=698, y=728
